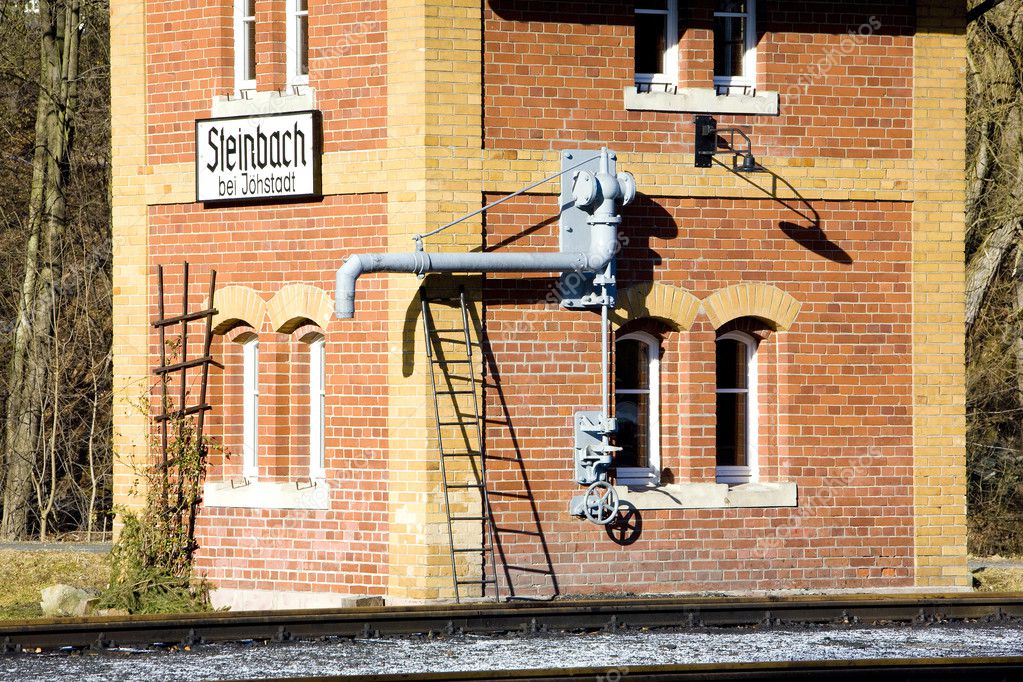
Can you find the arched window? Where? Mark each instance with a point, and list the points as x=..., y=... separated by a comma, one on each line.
x=637, y=409
x=736, y=408
x=317, y=369
x=250, y=406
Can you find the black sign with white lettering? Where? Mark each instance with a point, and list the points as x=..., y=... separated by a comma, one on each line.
x=276, y=156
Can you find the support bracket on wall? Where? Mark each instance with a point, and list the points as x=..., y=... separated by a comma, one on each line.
x=593, y=454
x=580, y=290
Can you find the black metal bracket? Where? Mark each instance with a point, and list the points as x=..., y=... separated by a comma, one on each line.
x=710, y=140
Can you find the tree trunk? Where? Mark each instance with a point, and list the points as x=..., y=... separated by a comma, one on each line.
x=45, y=510
x=983, y=267
x=30, y=357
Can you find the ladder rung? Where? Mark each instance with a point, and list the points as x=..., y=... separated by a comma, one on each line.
x=469, y=518
x=463, y=486
x=461, y=454
x=472, y=423
x=472, y=549
x=451, y=362
x=447, y=331
x=488, y=581
x=455, y=392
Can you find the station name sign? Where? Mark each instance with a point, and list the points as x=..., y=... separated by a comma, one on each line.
x=241, y=158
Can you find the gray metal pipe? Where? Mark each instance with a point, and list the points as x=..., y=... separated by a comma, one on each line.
x=602, y=249
x=599, y=195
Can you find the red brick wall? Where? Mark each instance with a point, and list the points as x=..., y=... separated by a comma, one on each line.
x=191, y=60
x=555, y=81
x=835, y=388
x=343, y=548
x=835, y=396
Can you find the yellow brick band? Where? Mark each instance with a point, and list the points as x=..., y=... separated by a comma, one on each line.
x=503, y=171
x=939, y=398
x=434, y=57
x=666, y=175
x=130, y=246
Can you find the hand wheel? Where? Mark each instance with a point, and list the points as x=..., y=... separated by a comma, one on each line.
x=600, y=505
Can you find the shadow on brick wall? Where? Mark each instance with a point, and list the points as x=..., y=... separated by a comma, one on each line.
x=832, y=17
x=805, y=227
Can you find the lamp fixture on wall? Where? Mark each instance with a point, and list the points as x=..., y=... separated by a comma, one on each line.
x=711, y=140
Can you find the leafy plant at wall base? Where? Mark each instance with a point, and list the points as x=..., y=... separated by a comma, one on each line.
x=152, y=561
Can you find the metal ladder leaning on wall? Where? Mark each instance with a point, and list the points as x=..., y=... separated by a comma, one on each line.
x=462, y=384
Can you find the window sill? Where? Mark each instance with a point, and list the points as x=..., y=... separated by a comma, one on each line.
x=267, y=495
x=637, y=477
x=295, y=98
x=702, y=101
x=709, y=496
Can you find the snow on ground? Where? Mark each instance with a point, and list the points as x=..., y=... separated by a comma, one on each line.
x=469, y=652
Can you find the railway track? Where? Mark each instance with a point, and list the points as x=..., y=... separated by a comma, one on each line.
x=900, y=670
x=518, y=617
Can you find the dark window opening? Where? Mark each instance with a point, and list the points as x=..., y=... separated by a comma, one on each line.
x=632, y=402
x=656, y=38
x=733, y=32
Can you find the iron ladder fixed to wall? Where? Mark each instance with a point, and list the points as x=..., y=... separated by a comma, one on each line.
x=456, y=409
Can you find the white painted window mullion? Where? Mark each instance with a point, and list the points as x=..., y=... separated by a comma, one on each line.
x=297, y=42
x=317, y=393
x=250, y=409
x=244, y=45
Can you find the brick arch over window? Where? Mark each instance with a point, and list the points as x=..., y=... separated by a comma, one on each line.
x=238, y=305
x=296, y=305
x=673, y=305
x=763, y=301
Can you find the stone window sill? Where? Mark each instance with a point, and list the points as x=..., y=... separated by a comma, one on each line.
x=267, y=495
x=701, y=101
x=709, y=496
x=255, y=103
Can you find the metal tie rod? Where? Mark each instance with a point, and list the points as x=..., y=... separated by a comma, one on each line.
x=421, y=237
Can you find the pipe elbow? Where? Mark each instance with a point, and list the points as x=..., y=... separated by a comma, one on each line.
x=596, y=260
x=604, y=245
x=347, y=274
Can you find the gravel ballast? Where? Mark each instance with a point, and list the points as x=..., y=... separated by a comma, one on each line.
x=480, y=653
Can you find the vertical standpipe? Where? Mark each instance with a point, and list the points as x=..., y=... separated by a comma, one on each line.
x=589, y=244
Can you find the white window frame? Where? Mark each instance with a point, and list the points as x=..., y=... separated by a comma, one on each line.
x=250, y=408
x=241, y=51
x=294, y=77
x=669, y=61
x=749, y=59
x=650, y=474
x=736, y=475
x=317, y=395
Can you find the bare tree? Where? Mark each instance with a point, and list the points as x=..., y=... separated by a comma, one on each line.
x=55, y=431
x=994, y=275
x=56, y=102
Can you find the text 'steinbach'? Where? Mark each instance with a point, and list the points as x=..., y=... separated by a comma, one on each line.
x=257, y=157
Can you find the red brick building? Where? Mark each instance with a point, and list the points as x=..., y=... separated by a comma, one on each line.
x=787, y=344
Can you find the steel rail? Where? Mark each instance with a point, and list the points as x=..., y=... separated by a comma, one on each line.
x=564, y=615
x=876, y=670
